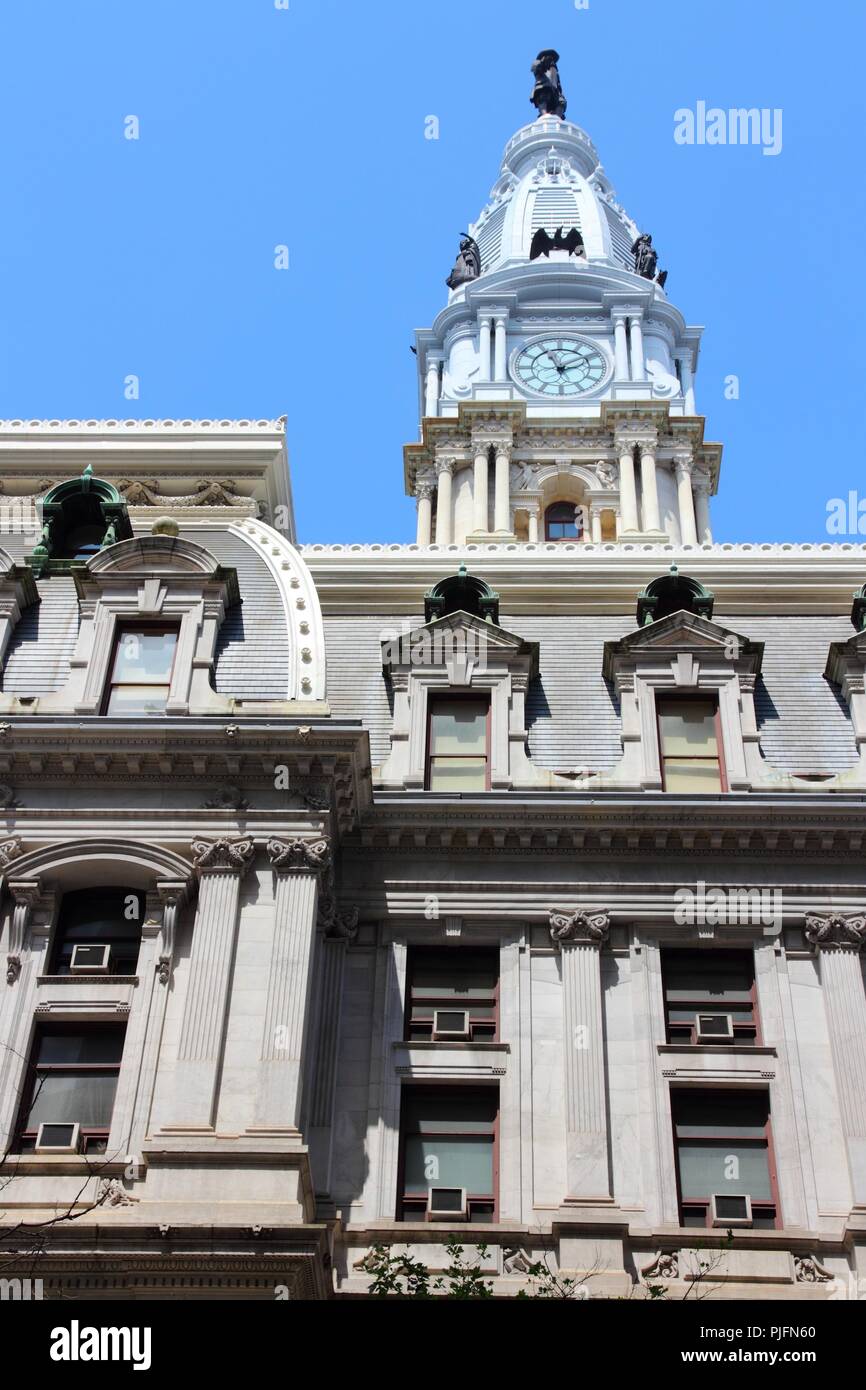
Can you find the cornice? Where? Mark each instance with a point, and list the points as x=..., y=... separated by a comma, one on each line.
x=169, y=426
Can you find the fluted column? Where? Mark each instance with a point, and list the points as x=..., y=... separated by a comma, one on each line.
x=500, y=371
x=701, y=490
x=484, y=347
x=620, y=346
x=580, y=937
x=502, y=489
x=220, y=865
x=342, y=928
x=684, y=463
x=424, y=494
x=297, y=864
x=627, y=489
x=480, y=502
x=649, y=486
x=838, y=942
x=431, y=391
x=445, y=469
x=638, y=365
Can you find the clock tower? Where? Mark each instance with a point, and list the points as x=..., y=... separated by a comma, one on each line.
x=559, y=374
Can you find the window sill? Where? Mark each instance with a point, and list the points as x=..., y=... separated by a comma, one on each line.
x=450, y=1061
x=87, y=979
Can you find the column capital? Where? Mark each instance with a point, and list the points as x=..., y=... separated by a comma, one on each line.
x=223, y=855
x=424, y=489
x=684, y=457
x=299, y=855
x=339, y=924
x=503, y=448
x=701, y=484
x=446, y=463
x=9, y=849
x=579, y=928
x=835, y=931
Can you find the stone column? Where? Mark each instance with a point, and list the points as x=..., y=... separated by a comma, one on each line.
x=620, y=340
x=684, y=463
x=579, y=936
x=502, y=490
x=638, y=365
x=649, y=486
x=595, y=522
x=424, y=494
x=617, y=522
x=627, y=490
x=431, y=393
x=445, y=469
x=297, y=864
x=484, y=348
x=480, y=501
x=220, y=865
x=342, y=928
x=687, y=383
x=702, y=510
x=532, y=517
x=838, y=941
x=500, y=372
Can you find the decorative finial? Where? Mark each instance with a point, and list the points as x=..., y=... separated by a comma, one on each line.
x=547, y=95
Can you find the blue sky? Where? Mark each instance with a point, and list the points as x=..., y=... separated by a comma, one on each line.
x=262, y=126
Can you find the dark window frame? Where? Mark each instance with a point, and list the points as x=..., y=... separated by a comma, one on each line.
x=483, y=1025
x=433, y=697
x=412, y=1206
x=580, y=528
x=93, y=1139
x=697, y=1204
x=58, y=935
x=695, y=696
x=711, y=1005
x=127, y=627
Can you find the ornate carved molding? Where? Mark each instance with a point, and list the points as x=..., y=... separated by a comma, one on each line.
x=580, y=928
x=223, y=855
x=227, y=798
x=299, y=856
x=9, y=849
x=338, y=923
x=666, y=1265
x=835, y=930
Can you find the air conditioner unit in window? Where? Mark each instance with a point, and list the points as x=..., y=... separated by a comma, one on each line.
x=716, y=1028
x=731, y=1210
x=56, y=1138
x=90, y=960
x=447, y=1204
x=450, y=1023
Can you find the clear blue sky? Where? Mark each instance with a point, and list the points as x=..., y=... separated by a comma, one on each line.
x=261, y=126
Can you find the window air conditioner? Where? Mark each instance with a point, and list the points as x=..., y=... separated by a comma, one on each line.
x=447, y=1204
x=731, y=1210
x=450, y=1023
x=90, y=960
x=56, y=1138
x=716, y=1028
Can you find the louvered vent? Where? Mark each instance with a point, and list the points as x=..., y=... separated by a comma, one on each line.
x=555, y=207
x=620, y=240
x=490, y=237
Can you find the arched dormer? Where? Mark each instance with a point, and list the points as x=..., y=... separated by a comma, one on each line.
x=858, y=609
x=79, y=518
x=670, y=593
x=462, y=593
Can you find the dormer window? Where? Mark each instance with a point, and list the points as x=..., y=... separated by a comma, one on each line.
x=458, y=757
x=141, y=669
x=563, y=521
x=690, y=744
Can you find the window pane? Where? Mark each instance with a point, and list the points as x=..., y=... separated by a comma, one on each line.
x=448, y=1161
x=137, y=699
x=732, y=1169
x=450, y=1112
x=720, y=1112
x=85, y=1099
x=95, y=1048
x=724, y=974
x=697, y=775
x=458, y=775
x=144, y=657
x=450, y=974
x=688, y=727
x=458, y=726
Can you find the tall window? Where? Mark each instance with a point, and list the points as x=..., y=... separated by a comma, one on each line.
x=710, y=996
x=690, y=744
x=448, y=1161
x=141, y=670
x=563, y=521
x=72, y=1080
x=98, y=917
x=452, y=994
x=458, y=743
x=724, y=1154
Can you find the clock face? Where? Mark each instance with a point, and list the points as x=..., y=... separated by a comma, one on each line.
x=558, y=367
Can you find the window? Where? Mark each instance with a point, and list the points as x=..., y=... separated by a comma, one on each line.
x=710, y=996
x=563, y=521
x=72, y=1079
x=141, y=670
x=99, y=917
x=690, y=744
x=723, y=1147
x=449, y=1140
x=458, y=744
x=452, y=993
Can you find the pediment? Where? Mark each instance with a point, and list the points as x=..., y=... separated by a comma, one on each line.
x=684, y=632
x=431, y=643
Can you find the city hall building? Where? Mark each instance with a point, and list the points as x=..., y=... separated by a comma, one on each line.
x=507, y=883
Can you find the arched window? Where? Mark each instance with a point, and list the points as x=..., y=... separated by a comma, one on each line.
x=563, y=521
x=98, y=932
